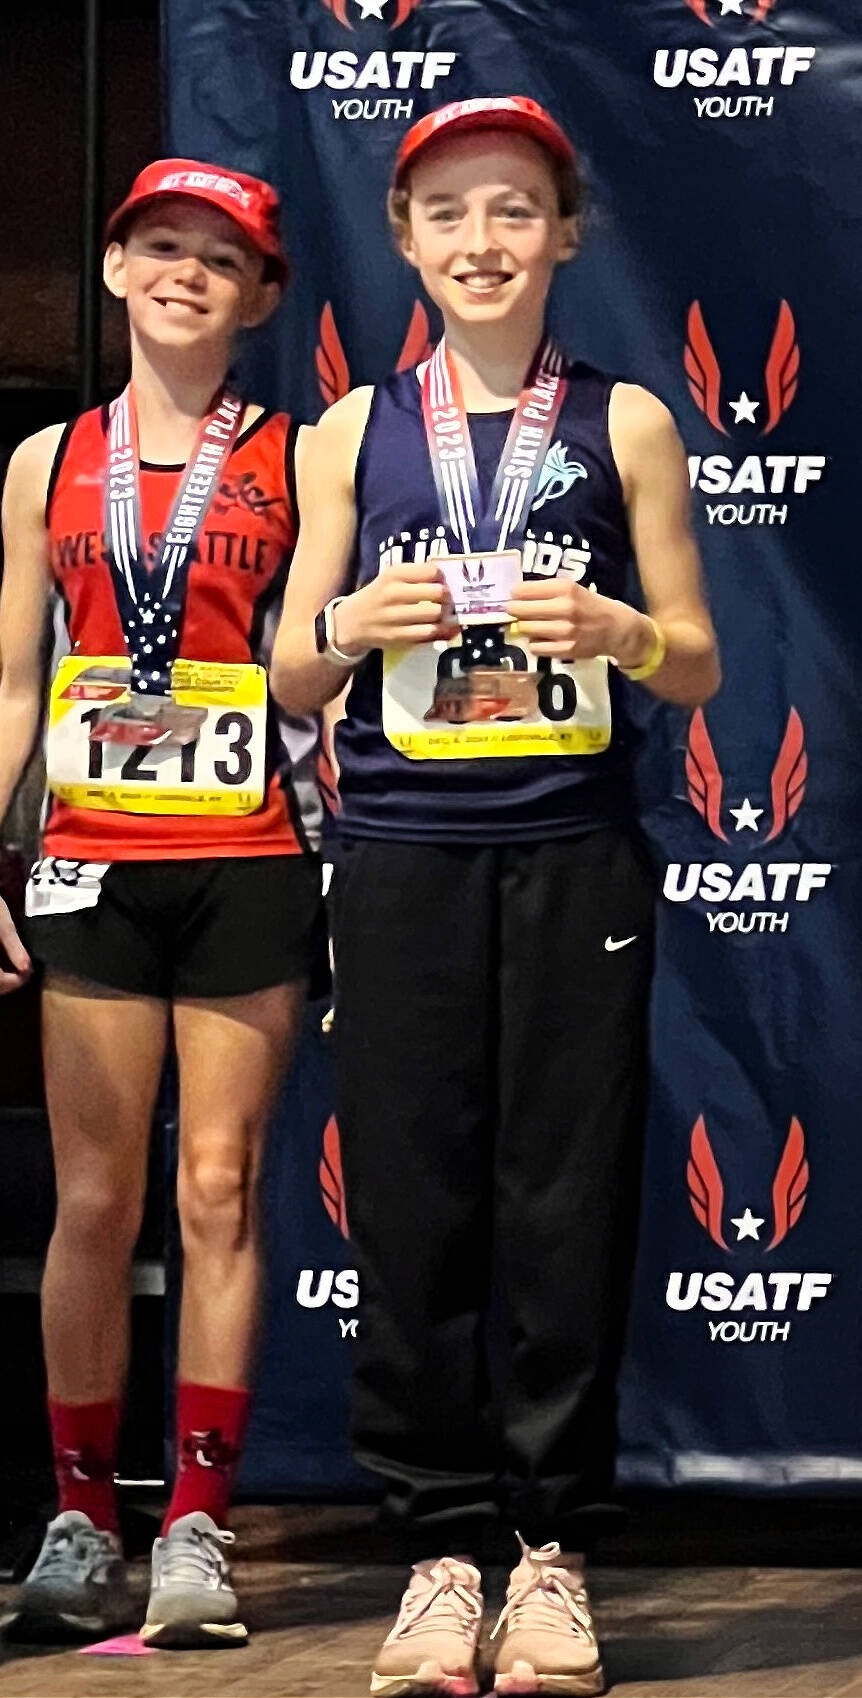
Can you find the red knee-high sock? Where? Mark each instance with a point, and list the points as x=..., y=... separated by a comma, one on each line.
x=84, y=1437
x=210, y=1426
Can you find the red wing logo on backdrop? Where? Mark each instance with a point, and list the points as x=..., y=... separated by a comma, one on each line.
x=322, y=1288
x=706, y=1189
x=417, y=343
x=781, y=375
x=391, y=12
x=747, y=475
x=746, y=896
x=733, y=81
x=332, y=1178
x=753, y=14
x=778, y=1293
x=705, y=783
x=333, y=372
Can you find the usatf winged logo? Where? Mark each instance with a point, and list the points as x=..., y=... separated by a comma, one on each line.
x=392, y=13
x=706, y=1189
x=780, y=378
x=331, y=1177
x=753, y=14
x=557, y=476
x=706, y=785
x=333, y=371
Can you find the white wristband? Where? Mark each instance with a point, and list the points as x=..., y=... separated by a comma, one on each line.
x=331, y=651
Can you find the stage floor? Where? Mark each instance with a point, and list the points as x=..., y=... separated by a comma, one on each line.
x=687, y=1631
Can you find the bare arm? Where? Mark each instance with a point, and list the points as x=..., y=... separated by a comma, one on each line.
x=402, y=605
x=654, y=472
x=23, y=601
x=301, y=680
x=562, y=618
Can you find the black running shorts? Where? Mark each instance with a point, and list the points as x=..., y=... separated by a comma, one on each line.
x=219, y=927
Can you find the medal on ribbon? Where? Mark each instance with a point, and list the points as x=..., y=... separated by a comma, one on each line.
x=487, y=678
x=151, y=601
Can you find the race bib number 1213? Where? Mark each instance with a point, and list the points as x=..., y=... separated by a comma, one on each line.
x=220, y=771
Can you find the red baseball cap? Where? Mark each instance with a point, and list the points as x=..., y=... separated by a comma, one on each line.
x=251, y=203
x=487, y=112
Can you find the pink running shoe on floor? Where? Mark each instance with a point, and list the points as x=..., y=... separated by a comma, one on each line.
x=432, y=1647
x=550, y=1644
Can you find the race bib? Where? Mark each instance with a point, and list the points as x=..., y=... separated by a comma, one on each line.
x=220, y=771
x=58, y=886
x=435, y=709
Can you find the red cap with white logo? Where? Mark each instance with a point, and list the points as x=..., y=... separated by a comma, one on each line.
x=491, y=112
x=250, y=202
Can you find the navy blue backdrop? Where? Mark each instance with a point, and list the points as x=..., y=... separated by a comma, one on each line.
x=721, y=269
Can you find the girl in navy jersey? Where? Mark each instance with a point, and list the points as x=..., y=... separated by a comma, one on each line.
x=468, y=529
x=178, y=885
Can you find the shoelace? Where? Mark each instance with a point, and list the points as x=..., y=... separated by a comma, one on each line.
x=194, y=1558
x=427, y=1611
x=82, y=1546
x=544, y=1594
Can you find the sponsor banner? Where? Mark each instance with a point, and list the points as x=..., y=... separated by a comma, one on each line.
x=718, y=268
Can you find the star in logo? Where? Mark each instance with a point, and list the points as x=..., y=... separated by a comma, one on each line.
x=744, y=410
x=147, y=616
x=746, y=816
x=734, y=6
x=747, y=1226
x=374, y=9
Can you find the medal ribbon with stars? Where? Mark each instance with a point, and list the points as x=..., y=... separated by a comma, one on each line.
x=151, y=603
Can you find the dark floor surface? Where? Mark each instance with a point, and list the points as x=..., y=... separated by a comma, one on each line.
x=697, y=1600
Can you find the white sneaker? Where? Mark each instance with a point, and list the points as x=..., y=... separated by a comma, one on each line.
x=433, y=1643
x=550, y=1643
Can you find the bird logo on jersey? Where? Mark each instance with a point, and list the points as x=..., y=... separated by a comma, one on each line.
x=706, y=785
x=557, y=476
x=706, y=1189
x=781, y=374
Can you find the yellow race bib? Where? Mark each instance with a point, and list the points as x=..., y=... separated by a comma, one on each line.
x=433, y=710
x=223, y=771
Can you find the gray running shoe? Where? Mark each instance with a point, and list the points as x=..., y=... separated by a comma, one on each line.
x=192, y=1601
x=77, y=1584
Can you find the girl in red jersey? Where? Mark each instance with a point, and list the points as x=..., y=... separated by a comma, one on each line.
x=493, y=904
x=179, y=886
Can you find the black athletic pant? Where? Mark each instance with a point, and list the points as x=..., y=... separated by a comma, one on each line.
x=492, y=1064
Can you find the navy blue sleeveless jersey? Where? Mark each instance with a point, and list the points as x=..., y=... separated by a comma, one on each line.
x=577, y=524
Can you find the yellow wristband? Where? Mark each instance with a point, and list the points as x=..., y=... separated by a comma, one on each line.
x=654, y=660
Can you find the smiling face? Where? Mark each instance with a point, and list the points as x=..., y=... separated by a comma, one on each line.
x=188, y=275
x=483, y=226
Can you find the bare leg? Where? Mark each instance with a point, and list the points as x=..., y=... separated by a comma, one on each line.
x=103, y=1054
x=232, y=1052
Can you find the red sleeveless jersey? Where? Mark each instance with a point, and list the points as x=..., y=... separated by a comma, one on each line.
x=236, y=581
